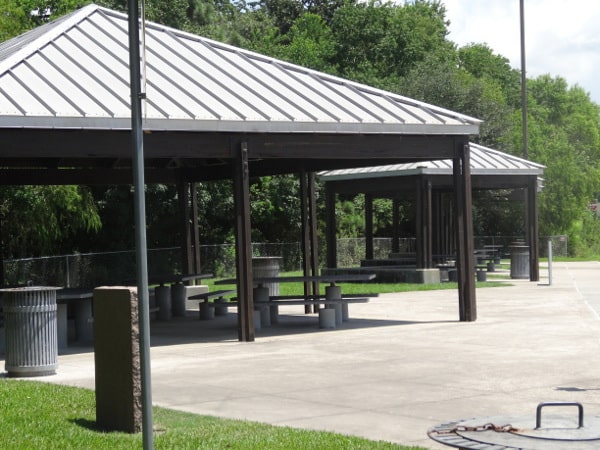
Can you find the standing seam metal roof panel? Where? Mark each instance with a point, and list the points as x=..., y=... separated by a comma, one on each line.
x=484, y=161
x=73, y=73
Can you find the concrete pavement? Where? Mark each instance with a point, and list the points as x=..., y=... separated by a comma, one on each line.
x=403, y=364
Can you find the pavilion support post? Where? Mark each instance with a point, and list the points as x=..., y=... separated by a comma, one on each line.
x=186, y=237
x=305, y=219
x=464, y=234
x=243, y=244
x=395, y=225
x=314, y=241
x=420, y=231
x=330, y=226
x=195, y=230
x=427, y=219
x=532, y=229
x=369, y=226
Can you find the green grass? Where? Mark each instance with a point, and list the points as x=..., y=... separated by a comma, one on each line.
x=36, y=415
x=358, y=288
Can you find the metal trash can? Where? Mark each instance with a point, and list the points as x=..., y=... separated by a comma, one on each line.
x=267, y=266
x=31, y=336
x=519, y=260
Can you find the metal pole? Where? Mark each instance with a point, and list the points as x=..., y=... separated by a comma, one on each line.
x=140, y=221
x=523, y=80
x=549, y=263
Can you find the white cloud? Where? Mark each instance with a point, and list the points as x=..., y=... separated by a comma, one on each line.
x=561, y=36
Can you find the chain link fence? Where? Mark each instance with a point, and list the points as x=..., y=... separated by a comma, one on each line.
x=114, y=268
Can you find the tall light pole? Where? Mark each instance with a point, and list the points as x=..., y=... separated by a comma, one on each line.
x=137, y=162
x=523, y=81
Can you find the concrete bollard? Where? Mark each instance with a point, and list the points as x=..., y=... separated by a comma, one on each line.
x=117, y=359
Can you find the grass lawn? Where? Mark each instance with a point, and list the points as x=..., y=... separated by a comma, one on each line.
x=358, y=288
x=36, y=415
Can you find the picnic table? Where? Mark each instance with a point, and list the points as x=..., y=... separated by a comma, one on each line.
x=267, y=305
x=171, y=299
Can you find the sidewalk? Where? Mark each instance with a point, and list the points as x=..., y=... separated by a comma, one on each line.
x=400, y=366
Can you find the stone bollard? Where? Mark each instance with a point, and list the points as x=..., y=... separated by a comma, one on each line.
x=117, y=359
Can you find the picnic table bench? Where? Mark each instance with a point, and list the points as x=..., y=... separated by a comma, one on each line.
x=219, y=307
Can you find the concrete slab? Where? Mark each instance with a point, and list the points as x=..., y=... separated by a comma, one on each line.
x=401, y=365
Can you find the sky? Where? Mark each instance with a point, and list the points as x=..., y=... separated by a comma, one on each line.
x=561, y=36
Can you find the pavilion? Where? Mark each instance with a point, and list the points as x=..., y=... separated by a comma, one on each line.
x=211, y=111
x=429, y=185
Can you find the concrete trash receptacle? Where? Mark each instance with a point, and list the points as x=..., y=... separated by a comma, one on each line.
x=31, y=334
x=519, y=260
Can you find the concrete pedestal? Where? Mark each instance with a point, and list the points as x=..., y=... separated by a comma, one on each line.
x=178, y=300
x=117, y=359
x=327, y=318
x=162, y=295
x=207, y=312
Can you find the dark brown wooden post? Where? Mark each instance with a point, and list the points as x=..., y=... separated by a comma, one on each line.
x=330, y=226
x=314, y=240
x=243, y=244
x=464, y=234
x=195, y=230
x=395, y=225
x=369, y=226
x=532, y=229
x=420, y=233
x=186, y=237
x=428, y=232
x=304, y=217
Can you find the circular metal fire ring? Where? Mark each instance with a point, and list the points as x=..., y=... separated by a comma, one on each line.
x=550, y=432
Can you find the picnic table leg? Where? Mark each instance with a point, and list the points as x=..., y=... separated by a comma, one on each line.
x=178, y=299
x=163, y=300
x=261, y=303
x=335, y=293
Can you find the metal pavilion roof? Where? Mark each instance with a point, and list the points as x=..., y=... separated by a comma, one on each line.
x=73, y=73
x=484, y=161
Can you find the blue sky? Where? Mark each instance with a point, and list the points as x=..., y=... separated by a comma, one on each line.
x=561, y=36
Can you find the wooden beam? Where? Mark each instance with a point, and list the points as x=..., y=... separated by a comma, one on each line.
x=464, y=236
x=184, y=219
x=532, y=230
x=369, y=226
x=243, y=244
x=330, y=226
x=195, y=230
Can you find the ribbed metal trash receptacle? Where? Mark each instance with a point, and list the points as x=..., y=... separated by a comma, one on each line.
x=30, y=331
x=519, y=260
x=267, y=267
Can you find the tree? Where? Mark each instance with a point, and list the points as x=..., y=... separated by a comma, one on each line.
x=41, y=220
